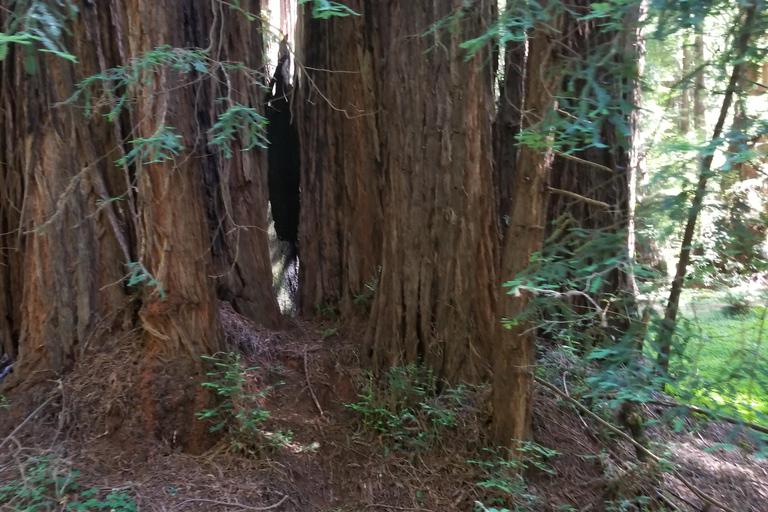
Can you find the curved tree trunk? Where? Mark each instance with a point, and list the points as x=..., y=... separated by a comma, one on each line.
x=340, y=233
x=436, y=299
x=70, y=249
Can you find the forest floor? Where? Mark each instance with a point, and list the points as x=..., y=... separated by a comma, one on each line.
x=309, y=374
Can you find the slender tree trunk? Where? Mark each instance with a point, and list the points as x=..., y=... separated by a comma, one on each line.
x=340, y=234
x=667, y=330
x=514, y=353
x=700, y=89
x=687, y=92
x=436, y=299
x=507, y=128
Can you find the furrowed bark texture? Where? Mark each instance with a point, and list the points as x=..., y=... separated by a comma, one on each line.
x=184, y=326
x=436, y=298
x=514, y=354
x=176, y=217
x=614, y=187
x=337, y=101
x=62, y=254
x=236, y=187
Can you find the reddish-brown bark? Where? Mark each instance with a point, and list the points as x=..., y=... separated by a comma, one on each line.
x=67, y=257
x=337, y=101
x=514, y=354
x=437, y=294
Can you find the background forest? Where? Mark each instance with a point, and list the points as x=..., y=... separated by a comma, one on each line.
x=475, y=255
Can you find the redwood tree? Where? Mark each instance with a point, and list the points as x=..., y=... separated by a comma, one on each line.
x=83, y=224
x=593, y=175
x=337, y=101
x=436, y=298
x=514, y=354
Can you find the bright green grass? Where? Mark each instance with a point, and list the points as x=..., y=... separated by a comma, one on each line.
x=725, y=364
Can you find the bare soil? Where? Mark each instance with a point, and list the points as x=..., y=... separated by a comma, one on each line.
x=331, y=463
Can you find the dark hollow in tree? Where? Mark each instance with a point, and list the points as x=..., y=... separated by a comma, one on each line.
x=284, y=155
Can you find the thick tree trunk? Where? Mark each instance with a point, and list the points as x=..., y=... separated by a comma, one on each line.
x=340, y=233
x=437, y=295
x=514, y=354
x=236, y=187
x=70, y=250
x=63, y=255
x=603, y=174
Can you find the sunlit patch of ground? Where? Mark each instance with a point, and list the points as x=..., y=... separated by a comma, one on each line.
x=736, y=478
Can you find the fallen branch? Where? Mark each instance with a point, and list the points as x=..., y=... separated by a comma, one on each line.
x=309, y=385
x=579, y=197
x=231, y=504
x=695, y=490
x=32, y=415
x=582, y=161
x=712, y=414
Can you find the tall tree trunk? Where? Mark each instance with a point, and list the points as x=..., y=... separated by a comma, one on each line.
x=507, y=128
x=236, y=187
x=686, y=93
x=664, y=340
x=63, y=254
x=72, y=240
x=514, y=353
x=605, y=174
x=436, y=299
x=700, y=89
x=340, y=233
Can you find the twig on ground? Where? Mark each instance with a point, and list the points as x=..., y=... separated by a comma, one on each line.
x=309, y=385
x=32, y=415
x=231, y=504
x=695, y=490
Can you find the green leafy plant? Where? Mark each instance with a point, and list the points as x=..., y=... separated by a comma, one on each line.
x=738, y=303
x=325, y=9
x=115, y=85
x=138, y=274
x=366, y=298
x=239, y=119
x=40, y=22
x=239, y=413
x=503, y=475
x=162, y=146
x=44, y=483
x=406, y=411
